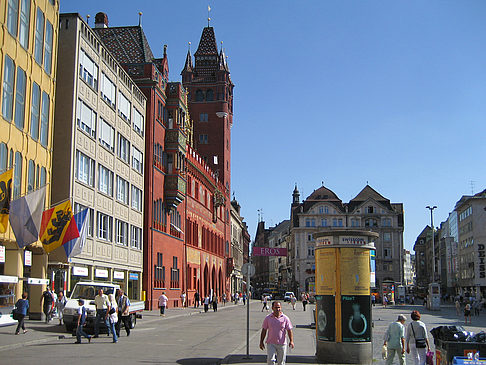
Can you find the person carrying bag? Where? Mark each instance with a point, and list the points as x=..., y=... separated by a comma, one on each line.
x=420, y=345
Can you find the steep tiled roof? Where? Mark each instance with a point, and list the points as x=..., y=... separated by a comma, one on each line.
x=207, y=44
x=128, y=44
x=368, y=193
x=320, y=195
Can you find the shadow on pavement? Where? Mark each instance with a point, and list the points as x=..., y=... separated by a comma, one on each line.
x=46, y=328
x=200, y=361
x=262, y=359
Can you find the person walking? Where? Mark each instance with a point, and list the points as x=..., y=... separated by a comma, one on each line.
x=467, y=313
x=417, y=332
x=458, y=307
x=244, y=299
x=265, y=302
x=82, y=313
x=113, y=316
x=215, y=303
x=183, y=299
x=206, y=304
x=196, y=299
x=61, y=302
x=224, y=299
x=21, y=308
x=293, y=300
x=395, y=340
x=123, y=305
x=304, y=300
x=102, y=307
x=163, y=300
x=46, y=302
x=373, y=300
x=277, y=325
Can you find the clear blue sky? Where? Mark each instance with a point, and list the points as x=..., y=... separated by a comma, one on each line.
x=345, y=92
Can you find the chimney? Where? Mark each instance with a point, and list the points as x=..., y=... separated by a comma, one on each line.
x=101, y=20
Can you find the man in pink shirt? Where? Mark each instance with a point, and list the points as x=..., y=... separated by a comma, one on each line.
x=276, y=324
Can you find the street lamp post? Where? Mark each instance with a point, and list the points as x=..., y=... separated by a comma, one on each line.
x=433, y=239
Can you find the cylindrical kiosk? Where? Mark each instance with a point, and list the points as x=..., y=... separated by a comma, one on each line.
x=343, y=301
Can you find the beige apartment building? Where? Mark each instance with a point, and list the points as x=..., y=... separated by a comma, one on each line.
x=98, y=159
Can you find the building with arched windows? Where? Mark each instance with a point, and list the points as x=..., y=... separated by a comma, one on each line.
x=323, y=210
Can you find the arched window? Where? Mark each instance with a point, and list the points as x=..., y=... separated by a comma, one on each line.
x=209, y=95
x=199, y=95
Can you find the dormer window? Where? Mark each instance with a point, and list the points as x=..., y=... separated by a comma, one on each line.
x=370, y=209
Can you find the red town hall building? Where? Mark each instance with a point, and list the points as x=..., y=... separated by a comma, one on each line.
x=187, y=165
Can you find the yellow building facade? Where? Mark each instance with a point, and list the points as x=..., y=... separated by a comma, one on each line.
x=28, y=53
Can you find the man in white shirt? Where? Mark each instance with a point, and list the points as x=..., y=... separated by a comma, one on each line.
x=102, y=308
x=163, y=303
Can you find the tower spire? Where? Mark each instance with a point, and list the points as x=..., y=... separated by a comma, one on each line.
x=209, y=19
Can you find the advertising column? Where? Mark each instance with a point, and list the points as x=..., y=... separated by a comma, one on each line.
x=343, y=304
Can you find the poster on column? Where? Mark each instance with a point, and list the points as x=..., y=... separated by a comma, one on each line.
x=326, y=271
x=355, y=271
x=356, y=318
x=325, y=317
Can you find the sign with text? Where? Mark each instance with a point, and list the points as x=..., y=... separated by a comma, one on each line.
x=269, y=251
x=2, y=254
x=353, y=240
x=27, y=258
x=38, y=281
x=324, y=241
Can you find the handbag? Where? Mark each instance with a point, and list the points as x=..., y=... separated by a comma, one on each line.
x=429, y=358
x=420, y=343
x=112, y=310
x=15, y=315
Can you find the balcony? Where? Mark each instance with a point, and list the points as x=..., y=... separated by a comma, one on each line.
x=174, y=190
x=175, y=140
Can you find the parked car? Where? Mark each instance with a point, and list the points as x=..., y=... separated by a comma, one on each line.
x=287, y=296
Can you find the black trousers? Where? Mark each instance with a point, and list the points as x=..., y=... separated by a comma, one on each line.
x=21, y=323
x=126, y=324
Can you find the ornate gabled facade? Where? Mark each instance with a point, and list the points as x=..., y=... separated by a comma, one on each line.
x=210, y=103
x=323, y=210
x=187, y=219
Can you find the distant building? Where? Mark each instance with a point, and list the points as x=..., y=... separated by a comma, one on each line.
x=408, y=273
x=239, y=242
x=277, y=265
x=423, y=259
x=323, y=210
x=472, y=244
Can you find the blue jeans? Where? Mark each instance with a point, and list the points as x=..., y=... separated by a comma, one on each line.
x=112, y=329
x=101, y=314
x=80, y=332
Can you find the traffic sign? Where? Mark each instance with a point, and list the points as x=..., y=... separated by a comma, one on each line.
x=248, y=269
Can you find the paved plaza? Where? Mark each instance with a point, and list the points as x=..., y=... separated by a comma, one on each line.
x=191, y=337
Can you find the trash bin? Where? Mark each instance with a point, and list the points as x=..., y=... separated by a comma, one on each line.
x=446, y=351
x=463, y=360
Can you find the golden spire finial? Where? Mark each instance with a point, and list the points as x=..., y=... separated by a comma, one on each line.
x=209, y=19
x=140, y=18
